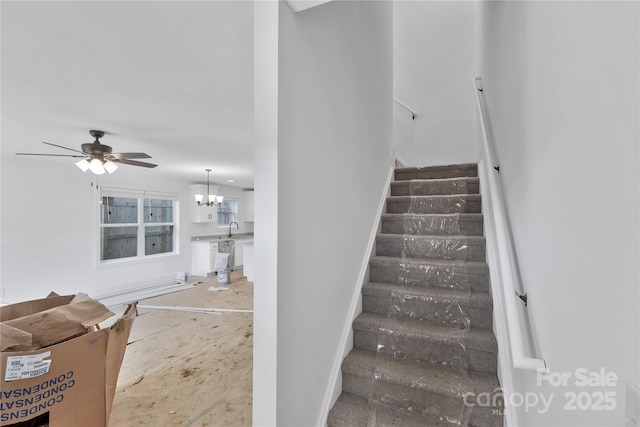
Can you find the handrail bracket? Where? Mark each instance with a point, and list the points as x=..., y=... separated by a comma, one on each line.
x=523, y=297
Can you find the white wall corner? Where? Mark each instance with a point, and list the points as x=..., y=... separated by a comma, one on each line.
x=335, y=385
x=300, y=5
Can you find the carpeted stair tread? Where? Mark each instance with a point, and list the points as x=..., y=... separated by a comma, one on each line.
x=443, y=204
x=474, y=266
x=430, y=273
x=429, y=377
x=435, y=273
x=480, y=339
x=468, y=224
x=354, y=411
x=453, y=247
x=426, y=187
x=466, y=298
x=423, y=346
x=450, y=306
x=436, y=172
x=349, y=410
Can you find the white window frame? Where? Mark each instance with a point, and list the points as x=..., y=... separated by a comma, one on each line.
x=140, y=195
x=235, y=199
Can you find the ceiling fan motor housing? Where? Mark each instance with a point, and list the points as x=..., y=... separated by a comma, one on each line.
x=96, y=149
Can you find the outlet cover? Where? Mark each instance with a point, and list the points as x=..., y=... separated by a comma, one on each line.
x=632, y=405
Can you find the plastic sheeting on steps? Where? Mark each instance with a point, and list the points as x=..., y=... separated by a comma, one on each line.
x=421, y=187
x=461, y=248
x=442, y=204
x=443, y=274
x=422, y=346
x=417, y=330
x=427, y=303
x=433, y=224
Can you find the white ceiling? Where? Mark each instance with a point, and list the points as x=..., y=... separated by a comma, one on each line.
x=173, y=79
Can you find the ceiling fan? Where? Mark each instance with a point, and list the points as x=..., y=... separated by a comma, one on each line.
x=98, y=157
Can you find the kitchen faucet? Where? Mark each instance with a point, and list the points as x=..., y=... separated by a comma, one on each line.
x=237, y=227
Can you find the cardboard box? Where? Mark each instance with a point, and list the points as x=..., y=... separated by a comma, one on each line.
x=70, y=383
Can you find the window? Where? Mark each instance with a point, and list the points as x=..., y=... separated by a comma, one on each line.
x=227, y=212
x=137, y=225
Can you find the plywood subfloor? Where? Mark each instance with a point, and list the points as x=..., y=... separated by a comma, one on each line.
x=187, y=368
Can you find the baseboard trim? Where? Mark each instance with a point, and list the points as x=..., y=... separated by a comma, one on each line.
x=122, y=294
x=335, y=386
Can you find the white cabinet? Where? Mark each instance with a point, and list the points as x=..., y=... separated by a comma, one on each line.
x=203, y=257
x=239, y=252
x=202, y=213
x=248, y=203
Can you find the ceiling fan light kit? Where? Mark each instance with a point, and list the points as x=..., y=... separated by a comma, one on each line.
x=97, y=157
x=97, y=166
x=83, y=165
x=110, y=166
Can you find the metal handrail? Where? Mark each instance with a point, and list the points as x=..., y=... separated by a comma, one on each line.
x=511, y=285
x=414, y=114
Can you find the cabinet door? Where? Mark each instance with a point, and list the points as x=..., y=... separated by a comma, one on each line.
x=239, y=254
x=206, y=214
x=199, y=258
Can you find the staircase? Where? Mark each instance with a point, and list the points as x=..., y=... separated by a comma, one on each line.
x=424, y=351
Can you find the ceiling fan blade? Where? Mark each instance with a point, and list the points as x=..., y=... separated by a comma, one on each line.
x=130, y=155
x=60, y=146
x=53, y=155
x=135, y=163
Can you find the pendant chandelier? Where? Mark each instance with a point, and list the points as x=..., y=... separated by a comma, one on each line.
x=212, y=199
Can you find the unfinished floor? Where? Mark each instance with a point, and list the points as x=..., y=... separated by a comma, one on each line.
x=184, y=368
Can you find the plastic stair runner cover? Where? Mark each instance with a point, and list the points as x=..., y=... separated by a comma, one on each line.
x=447, y=315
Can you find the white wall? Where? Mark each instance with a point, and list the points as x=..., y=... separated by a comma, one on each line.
x=265, y=290
x=435, y=49
x=561, y=83
x=334, y=151
x=49, y=223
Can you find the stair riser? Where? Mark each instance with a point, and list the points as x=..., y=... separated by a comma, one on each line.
x=452, y=313
x=420, y=401
x=433, y=204
x=430, y=276
x=438, y=172
x=431, y=188
x=432, y=225
x=459, y=249
x=452, y=353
